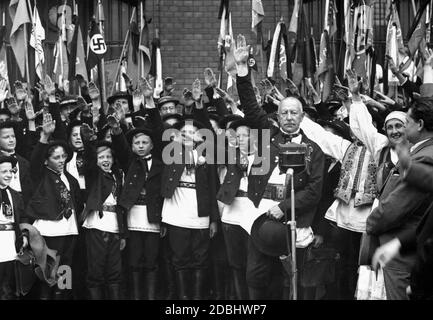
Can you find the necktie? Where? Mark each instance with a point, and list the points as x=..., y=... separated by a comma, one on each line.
x=244, y=162
x=6, y=204
x=66, y=205
x=287, y=137
x=80, y=162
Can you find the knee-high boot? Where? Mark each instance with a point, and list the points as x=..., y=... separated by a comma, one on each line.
x=135, y=285
x=182, y=281
x=114, y=291
x=95, y=293
x=199, y=281
x=240, y=283
x=150, y=279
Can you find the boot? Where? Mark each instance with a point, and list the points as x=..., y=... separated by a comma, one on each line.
x=219, y=282
x=182, y=284
x=256, y=293
x=170, y=278
x=150, y=279
x=135, y=285
x=114, y=291
x=45, y=292
x=199, y=281
x=240, y=283
x=59, y=294
x=95, y=293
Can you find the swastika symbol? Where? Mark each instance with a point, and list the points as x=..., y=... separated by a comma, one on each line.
x=97, y=44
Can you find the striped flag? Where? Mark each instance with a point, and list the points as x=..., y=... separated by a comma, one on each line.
x=36, y=38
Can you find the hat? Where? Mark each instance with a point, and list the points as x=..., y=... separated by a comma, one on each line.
x=176, y=116
x=131, y=133
x=103, y=144
x=47, y=260
x=228, y=118
x=167, y=99
x=6, y=112
x=59, y=143
x=182, y=123
x=13, y=161
x=239, y=123
x=69, y=101
x=399, y=115
x=215, y=117
x=120, y=95
x=269, y=236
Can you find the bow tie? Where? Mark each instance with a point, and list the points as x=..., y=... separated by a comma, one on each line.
x=148, y=158
x=289, y=136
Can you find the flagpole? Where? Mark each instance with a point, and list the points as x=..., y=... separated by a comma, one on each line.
x=122, y=53
x=102, y=66
x=26, y=55
x=140, y=55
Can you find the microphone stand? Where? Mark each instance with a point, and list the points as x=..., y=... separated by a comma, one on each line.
x=292, y=223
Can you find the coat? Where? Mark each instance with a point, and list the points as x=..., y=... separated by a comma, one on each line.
x=307, y=183
x=45, y=201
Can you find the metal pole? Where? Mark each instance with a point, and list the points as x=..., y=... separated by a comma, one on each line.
x=292, y=223
x=102, y=66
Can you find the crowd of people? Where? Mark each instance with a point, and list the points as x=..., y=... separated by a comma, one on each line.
x=185, y=198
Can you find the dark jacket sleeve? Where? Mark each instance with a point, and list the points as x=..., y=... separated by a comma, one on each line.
x=60, y=131
x=410, y=87
x=420, y=175
x=37, y=162
x=255, y=115
x=308, y=198
x=122, y=150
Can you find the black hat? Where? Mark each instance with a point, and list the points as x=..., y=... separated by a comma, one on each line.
x=269, y=236
x=59, y=143
x=238, y=123
x=167, y=99
x=120, y=95
x=229, y=118
x=6, y=112
x=176, y=116
x=182, y=123
x=69, y=101
x=12, y=160
x=131, y=133
x=215, y=117
x=333, y=105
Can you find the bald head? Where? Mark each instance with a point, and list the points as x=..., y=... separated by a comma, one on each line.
x=290, y=114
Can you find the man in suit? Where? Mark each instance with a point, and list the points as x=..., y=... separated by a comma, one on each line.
x=262, y=266
x=402, y=205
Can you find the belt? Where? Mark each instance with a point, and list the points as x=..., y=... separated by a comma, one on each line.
x=275, y=192
x=6, y=227
x=190, y=185
x=109, y=208
x=241, y=193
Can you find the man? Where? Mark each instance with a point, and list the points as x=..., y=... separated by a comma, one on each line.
x=401, y=205
x=21, y=180
x=261, y=266
x=418, y=175
x=167, y=105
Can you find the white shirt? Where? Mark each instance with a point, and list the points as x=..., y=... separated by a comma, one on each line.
x=7, y=238
x=57, y=228
x=181, y=209
x=107, y=223
x=15, y=182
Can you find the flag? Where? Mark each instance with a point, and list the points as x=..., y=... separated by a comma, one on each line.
x=274, y=47
x=394, y=43
x=36, y=38
x=257, y=14
x=325, y=71
x=282, y=52
x=96, y=47
x=19, y=14
x=230, y=65
x=132, y=56
x=77, y=52
x=3, y=56
x=293, y=30
x=417, y=32
x=224, y=5
x=61, y=64
x=144, y=47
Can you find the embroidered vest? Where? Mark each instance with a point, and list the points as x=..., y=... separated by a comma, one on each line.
x=358, y=176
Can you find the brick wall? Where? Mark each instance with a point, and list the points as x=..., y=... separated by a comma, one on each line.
x=189, y=32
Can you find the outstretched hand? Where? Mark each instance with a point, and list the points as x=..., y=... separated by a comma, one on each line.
x=3, y=90
x=48, y=124
x=241, y=52
x=353, y=83
x=209, y=78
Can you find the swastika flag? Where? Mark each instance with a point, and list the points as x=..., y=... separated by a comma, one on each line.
x=96, y=47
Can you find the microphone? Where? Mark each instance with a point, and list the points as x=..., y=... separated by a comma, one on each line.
x=290, y=172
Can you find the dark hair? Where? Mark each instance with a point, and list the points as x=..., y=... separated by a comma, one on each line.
x=51, y=149
x=422, y=109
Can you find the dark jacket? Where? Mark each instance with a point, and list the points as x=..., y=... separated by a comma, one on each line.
x=19, y=217
x=46, y=201
x=135, y=179
x=307, y=183
x=25, y=179
x=99, y=186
